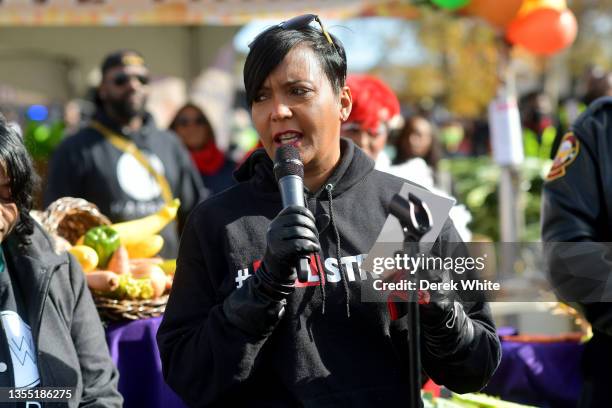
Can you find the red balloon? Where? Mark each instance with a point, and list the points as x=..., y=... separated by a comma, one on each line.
x=498, y=13
x=544, y=31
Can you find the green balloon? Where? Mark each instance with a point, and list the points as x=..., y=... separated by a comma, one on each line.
x=450, y=4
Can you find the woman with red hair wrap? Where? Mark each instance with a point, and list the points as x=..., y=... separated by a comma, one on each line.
x=375, y=111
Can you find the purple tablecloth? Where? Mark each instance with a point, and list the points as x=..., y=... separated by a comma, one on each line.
x=540, y=374
x=134, y=350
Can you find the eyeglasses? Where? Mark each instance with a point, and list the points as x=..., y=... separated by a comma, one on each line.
x=190, y=121
x=298, y=22
x=122, y=79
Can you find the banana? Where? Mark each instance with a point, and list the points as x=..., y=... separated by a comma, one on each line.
x=147, y=247
x=87, y=257
x=168, y=266
x=132, y=232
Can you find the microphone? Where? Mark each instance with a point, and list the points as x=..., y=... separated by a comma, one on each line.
x=289, y=173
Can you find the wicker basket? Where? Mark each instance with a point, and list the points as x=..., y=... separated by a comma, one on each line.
x=112, y=310
x=70, y=218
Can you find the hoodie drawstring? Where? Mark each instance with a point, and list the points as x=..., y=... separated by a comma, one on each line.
x=321, y=285
x=329, y=188
x=320, y=274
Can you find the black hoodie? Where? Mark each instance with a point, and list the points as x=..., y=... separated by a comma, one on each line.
x=85, y=165
x=302, y=356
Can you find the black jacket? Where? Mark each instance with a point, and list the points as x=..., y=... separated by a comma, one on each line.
x=302, y=357
x=66, y=329
x=577, y=231
x=87, y=166
x=577, y=207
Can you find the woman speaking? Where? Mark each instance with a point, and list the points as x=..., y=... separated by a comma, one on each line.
x=239, y=328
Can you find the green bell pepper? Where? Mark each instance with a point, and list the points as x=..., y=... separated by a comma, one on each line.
x=104, y=240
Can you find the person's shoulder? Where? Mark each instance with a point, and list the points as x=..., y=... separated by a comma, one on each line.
x=391, y=180
x=68, y=275
x=165, y=135
x=84, y=138
x=416, y=170
x=598, y=106
x=43, y=246
x=168, y=140
x=217, y=206
x=596, y=121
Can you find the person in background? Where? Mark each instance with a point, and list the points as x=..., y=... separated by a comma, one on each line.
x=538, y=122
x=417, y=139
x=418, y=153
x=455, y=137
x=375, y=111
x=73, y=117
x=244, y=138
x=598, y=84
x=577, y=230
x=121, y=161
x=195, y=131
x=45, y=305
x=418, y=150
x=239, y=330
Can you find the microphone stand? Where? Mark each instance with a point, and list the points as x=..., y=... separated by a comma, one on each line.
x=416, y=221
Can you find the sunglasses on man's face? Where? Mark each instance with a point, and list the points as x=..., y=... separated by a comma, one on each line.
x=190, y=121
x=122, y=79
x=296, y=23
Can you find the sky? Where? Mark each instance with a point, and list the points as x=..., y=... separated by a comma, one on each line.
x=365, y=40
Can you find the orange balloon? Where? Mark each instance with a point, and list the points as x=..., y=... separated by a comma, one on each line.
x=531, y=5
x=544, y=31
x=497, y=12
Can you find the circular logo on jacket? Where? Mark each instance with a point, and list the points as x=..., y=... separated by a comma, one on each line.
x=567, y=153
x=135, y=180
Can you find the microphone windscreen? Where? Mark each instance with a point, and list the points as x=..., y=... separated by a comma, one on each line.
x=287, y=162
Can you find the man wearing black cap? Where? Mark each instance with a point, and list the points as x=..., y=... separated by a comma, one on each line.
x=122, y=162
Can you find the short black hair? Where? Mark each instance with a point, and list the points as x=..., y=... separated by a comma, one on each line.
x=16, y=160
x=270, y=47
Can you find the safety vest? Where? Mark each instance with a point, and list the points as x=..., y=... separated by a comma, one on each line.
x=542, y=148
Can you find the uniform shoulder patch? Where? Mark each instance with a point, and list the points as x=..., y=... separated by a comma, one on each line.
x=566, y=154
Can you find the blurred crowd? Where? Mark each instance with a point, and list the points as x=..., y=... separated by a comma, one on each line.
x=108, y=149
x=407, y=140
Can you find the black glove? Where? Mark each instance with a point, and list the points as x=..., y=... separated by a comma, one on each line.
x=291, y=235
x=259, y=304
x=444, y=323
